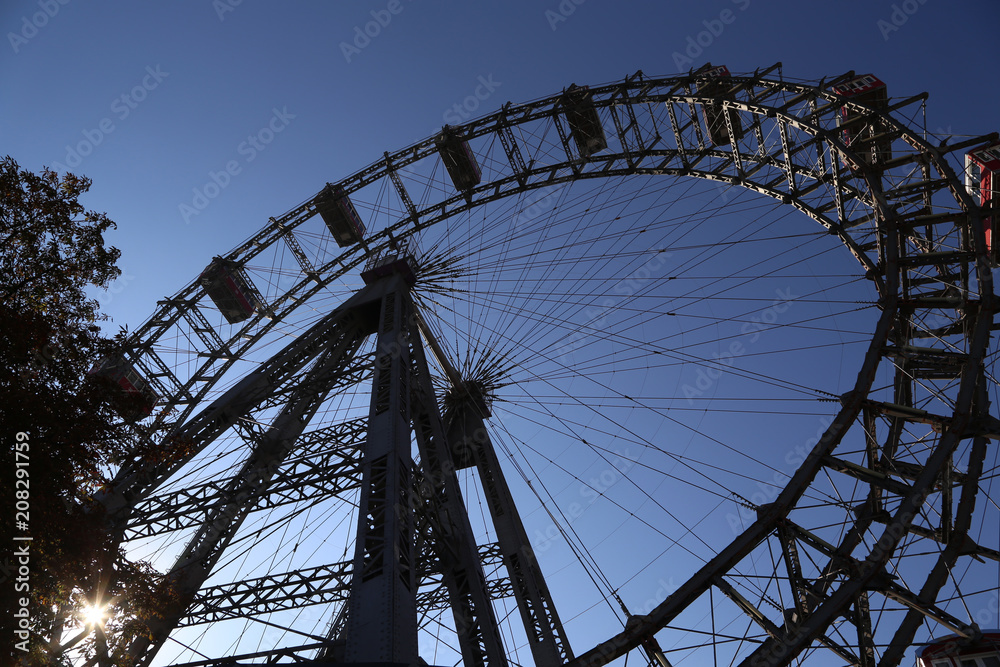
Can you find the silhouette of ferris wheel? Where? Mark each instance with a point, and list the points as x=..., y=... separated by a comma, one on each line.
x=521, y=367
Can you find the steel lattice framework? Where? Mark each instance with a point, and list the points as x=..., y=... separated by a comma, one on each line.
x=907, y=219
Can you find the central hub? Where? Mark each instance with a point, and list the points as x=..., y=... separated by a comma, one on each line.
x=391, y=260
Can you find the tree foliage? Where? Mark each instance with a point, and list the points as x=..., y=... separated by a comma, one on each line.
x=51, y=250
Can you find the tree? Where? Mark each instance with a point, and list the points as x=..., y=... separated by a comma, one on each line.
x=61, y=427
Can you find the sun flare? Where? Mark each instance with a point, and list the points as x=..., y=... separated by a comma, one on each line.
x=95, y=614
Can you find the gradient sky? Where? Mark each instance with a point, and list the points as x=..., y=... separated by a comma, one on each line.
x=225, y=72
x=268, y=100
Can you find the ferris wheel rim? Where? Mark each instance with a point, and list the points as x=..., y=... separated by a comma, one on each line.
x=173, y=308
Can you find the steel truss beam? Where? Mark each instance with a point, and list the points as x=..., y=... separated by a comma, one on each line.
x=359, y=371
x=139, y=479
x=319, y=585
x=329, y=463
x=272, y=475
x=770, y=627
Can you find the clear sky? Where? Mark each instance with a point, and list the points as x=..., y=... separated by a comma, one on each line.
x=223, y=73
x=197, y=121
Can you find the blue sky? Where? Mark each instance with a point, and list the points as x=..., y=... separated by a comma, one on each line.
x=225, y=73
x=197, y=121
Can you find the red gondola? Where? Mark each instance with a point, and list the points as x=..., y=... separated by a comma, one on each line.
x=982, y=178
x=230, y=289
x=119, y=371
x=866, y=89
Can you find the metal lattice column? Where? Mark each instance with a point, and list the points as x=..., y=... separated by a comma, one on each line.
x=546, y=637
x=382, y=612
x=452, y=538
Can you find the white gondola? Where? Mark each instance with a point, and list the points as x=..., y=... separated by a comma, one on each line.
x=955, y=651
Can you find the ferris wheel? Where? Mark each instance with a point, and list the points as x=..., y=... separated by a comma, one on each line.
x=521, y=394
